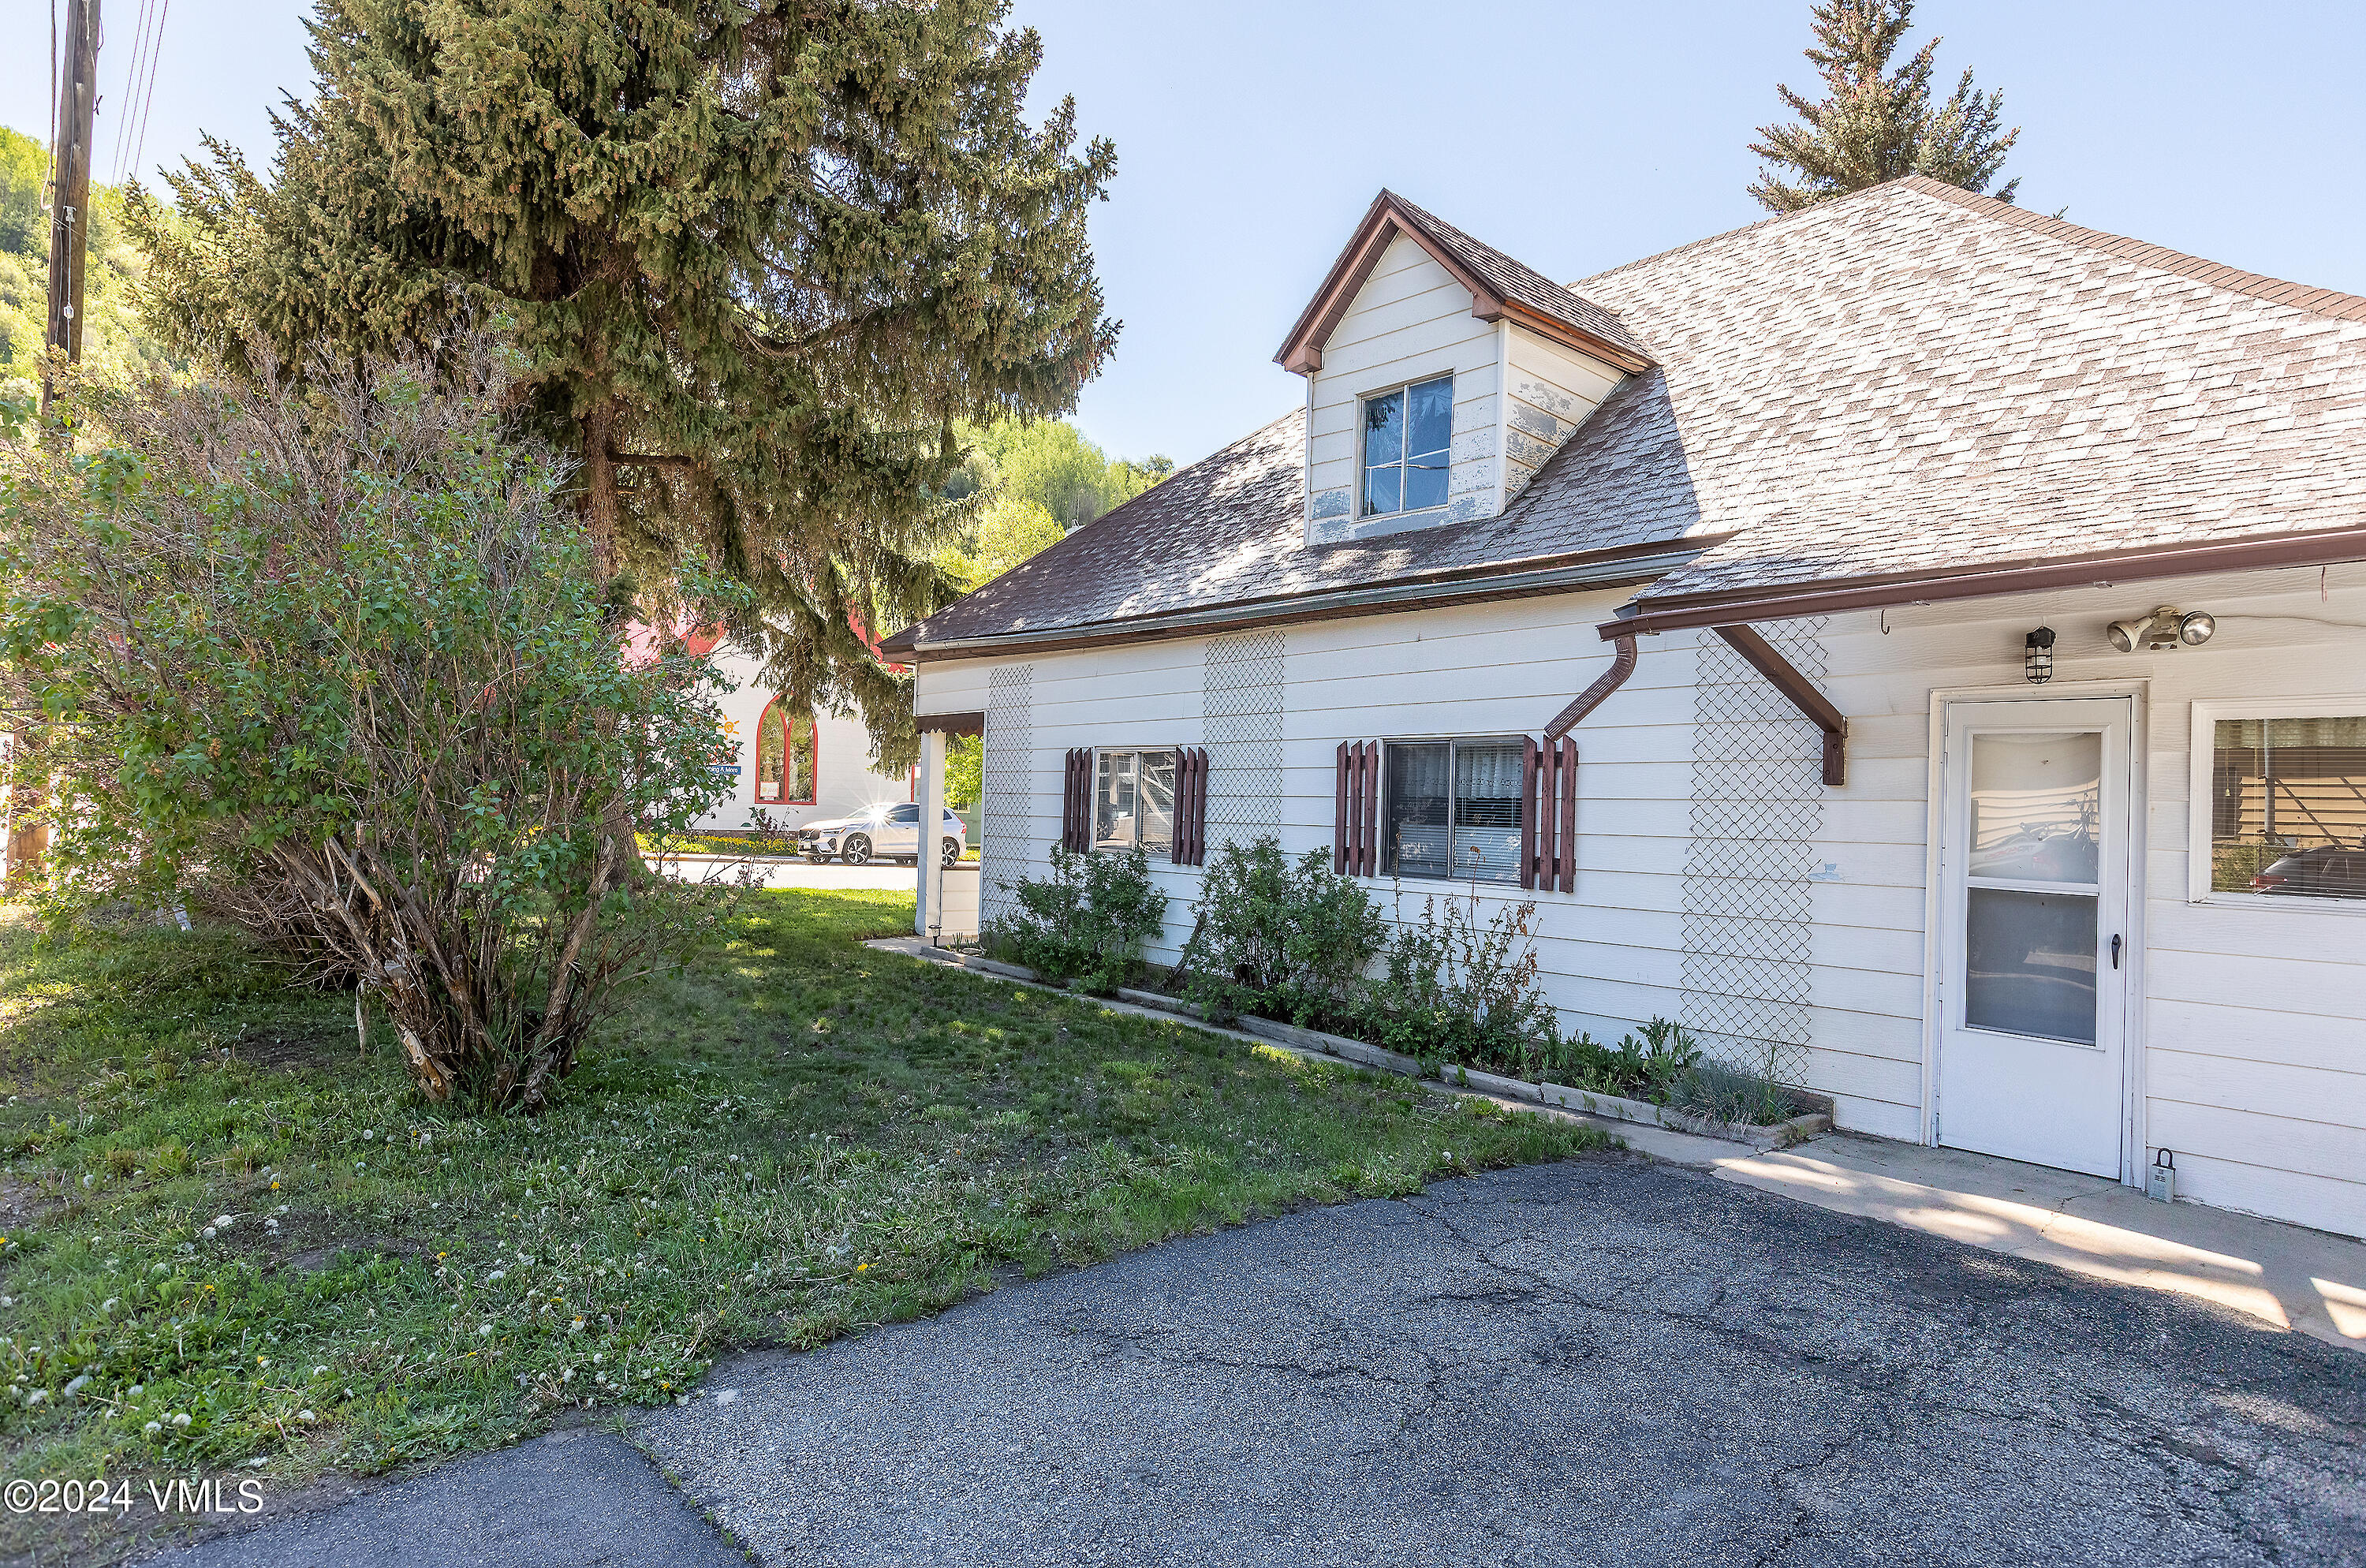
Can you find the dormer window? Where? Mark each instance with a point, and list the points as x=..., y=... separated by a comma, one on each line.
x=1407, y=436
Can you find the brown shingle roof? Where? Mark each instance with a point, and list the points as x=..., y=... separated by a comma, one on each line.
x=1517, y=281
x=1920, y=379
x=1910, y=379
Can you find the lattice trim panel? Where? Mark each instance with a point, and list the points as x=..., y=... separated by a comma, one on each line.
x=1757, y=806
x=1008, y=849
x=1242, y=717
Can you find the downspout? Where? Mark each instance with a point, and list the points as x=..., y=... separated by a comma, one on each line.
x=1609, y=681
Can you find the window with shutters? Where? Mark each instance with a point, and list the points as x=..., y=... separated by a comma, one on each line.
x=1451, y=809
x=1482, y=809
x=1151, y=799
x=1133, y=800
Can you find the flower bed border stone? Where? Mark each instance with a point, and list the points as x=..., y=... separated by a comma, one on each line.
x=1781, y=1135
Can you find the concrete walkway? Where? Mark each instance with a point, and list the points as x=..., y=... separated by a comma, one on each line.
x=884, y=876
x=2287, y=1276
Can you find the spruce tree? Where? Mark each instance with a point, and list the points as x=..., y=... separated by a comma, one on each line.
x=758, y=256
x=1876, y=124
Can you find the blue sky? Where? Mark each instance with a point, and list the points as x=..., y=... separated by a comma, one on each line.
x=1576, y=136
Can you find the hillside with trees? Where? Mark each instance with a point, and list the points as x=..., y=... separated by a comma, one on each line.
x=114, y=338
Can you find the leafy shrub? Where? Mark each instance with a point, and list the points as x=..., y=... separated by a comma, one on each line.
x=328, y=657
x=1085, y=924
x=1464, y=990
x=1295, y=938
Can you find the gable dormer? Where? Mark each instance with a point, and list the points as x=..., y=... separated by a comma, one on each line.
x=1440, y=374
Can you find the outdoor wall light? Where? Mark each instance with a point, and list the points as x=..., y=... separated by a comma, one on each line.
x=2167, y=626
x=2038, y=655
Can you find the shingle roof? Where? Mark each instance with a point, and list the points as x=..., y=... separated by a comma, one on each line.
x=1918, y=378
x=1910, y=379
x=1517, y=281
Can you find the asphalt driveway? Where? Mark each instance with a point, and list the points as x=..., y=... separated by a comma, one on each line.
x=1608, y=1360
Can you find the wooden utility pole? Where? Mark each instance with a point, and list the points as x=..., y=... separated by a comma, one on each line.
x=70, y=194
x=28, y=835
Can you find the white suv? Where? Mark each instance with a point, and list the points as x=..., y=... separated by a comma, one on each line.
x=889, y=831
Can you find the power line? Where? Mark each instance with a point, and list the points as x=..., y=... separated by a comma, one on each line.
x=148, y=101
x=130, y=94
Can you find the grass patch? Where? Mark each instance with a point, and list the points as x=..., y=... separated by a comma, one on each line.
x=794, y=1139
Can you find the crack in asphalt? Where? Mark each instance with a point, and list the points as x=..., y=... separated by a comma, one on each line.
x=1624, y=1361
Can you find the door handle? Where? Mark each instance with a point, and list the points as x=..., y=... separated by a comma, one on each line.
x=2115, y=950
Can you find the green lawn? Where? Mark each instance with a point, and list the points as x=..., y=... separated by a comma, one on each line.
x=796, y=1139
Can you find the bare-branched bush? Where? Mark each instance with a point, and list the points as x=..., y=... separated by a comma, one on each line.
x=326, y=655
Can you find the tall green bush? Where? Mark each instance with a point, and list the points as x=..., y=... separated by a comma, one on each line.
x=1462, y=990
x=1085, y=925
x=330, y=661
x=1295, y=938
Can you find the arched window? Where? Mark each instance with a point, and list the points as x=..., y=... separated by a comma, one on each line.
x=786, y=757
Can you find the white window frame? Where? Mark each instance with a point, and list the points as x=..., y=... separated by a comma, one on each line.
x=1362, y=468
x=1385, y=849
x=1092, y=822
x=2197, y=798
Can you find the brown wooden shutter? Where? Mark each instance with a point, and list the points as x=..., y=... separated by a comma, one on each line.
x=1191, y=805
x=1356, y=831
x=1549, y=816
x=1077, y=802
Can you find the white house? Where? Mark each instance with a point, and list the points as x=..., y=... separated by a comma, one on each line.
x=792, y=767
x=1918, y=643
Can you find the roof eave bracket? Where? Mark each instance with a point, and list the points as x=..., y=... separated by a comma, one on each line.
x=1813, y=706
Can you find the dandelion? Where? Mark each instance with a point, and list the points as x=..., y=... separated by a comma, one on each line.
x=495, y=1274
x=136, y=1390
x=152, y=1428
x=110, y=1303
x=861, y=1267
x=223, y=1222
x=180, y=1419
x=486, y=1330
x=306, y=1415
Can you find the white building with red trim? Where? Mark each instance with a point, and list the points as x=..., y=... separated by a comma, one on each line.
x=791, y=767
x=1918, y=644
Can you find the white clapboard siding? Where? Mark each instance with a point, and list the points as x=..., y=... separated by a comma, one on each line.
x=1409, y=322
x=2254, y=1067
x=2255, y=1018
x=1548, y=391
